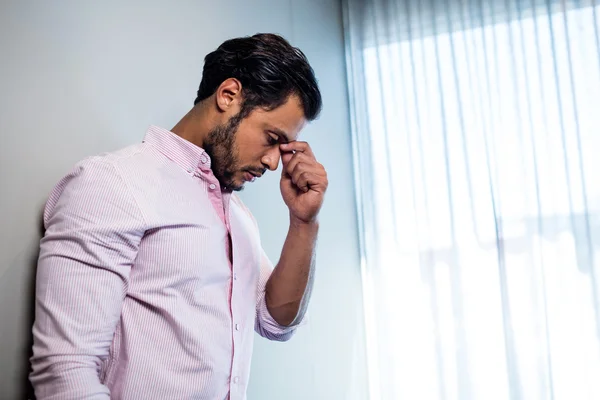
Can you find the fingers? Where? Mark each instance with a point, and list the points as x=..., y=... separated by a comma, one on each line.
x=298, y=147
x=300, y=165
x=304, y=180
x=302, y=161
x=306, y=173
x=294, y=159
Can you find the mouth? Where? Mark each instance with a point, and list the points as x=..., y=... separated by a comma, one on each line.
x=251, y=176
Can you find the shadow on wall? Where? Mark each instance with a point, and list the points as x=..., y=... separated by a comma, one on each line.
x=26, y=266
x=25, y=386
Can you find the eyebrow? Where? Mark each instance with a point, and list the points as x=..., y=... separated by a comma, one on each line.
x=282, y=135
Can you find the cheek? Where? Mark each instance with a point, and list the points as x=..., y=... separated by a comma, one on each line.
x=250, y=152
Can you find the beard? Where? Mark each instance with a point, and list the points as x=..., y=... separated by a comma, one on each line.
x=220, y=146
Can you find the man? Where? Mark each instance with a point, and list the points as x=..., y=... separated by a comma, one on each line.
x=151, y=277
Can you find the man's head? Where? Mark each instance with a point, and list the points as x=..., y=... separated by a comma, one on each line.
x=260, y=91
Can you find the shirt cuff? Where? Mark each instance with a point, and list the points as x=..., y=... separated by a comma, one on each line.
x=268, y=323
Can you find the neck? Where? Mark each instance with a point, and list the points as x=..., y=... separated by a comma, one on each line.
x=195, y=125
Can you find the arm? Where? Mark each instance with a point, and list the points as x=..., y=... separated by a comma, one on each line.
x=290, y=285
x=303, y=185
x=93, y=230
x=269, y=323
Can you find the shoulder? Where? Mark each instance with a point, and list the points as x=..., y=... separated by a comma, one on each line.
x=97, y=171
x=92, y=183
x=105, y=164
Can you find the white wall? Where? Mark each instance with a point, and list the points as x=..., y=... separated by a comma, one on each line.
x=81, y=77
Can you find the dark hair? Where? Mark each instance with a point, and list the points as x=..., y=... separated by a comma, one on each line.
x=269, y=69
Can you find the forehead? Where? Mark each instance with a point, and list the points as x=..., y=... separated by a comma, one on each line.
x=287, y=119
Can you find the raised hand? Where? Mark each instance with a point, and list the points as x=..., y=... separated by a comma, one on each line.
x=303, y=181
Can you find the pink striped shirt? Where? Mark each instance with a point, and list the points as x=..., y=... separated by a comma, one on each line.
x=151, y=280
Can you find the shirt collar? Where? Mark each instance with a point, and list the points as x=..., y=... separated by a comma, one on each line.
x=185, y=154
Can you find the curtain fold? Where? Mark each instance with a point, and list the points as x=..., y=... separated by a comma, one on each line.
x=477, y=147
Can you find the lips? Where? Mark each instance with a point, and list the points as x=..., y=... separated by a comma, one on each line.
x=248, y=177
x=251, y=176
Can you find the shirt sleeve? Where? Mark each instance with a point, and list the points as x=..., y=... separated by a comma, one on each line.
x=265, y=324
x=93, y=230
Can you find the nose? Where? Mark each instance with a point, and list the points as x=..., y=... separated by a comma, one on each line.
x=271, y=159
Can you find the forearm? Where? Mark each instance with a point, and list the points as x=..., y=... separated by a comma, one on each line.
x=289, y=287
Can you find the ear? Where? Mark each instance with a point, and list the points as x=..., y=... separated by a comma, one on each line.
x=229, y=94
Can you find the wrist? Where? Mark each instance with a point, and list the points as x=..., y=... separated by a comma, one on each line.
x=298, y=223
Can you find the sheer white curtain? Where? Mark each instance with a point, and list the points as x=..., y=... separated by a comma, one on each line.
x=476, y=129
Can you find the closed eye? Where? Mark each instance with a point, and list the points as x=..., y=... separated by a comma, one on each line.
x=272, y=139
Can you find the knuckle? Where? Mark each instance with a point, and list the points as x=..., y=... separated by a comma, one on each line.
x=303, y=156
x=300, y=166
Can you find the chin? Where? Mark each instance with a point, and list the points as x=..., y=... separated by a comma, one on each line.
x=236, y=186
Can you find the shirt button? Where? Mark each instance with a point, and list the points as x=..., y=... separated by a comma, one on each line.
x=237, y=327
x=212, y=186
x=235, y=277
x=236, y=380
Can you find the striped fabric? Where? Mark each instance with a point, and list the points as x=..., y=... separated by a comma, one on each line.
x=150, y=280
